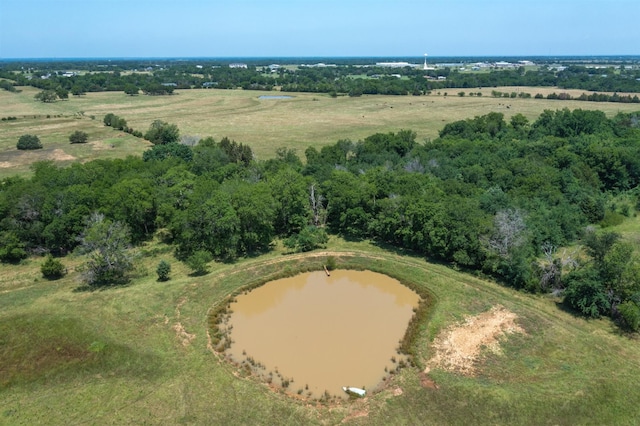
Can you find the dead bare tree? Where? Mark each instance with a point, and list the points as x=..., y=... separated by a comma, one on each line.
x=316, y=199
x=509, y=234
x=552, y=266
x=189, y=140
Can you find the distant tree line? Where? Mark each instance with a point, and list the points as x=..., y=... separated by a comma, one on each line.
x=488, y=195
x=347, y=79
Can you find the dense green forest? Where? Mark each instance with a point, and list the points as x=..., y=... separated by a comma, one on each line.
x=162, y=77
x=490, y=196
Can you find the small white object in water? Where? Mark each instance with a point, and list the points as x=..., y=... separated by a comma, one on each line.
x=354, y=391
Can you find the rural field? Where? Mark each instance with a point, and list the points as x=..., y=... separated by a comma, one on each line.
x=264, y=124
x=140, y=354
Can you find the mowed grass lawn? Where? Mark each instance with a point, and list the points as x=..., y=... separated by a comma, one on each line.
x=139, y=354
x=264, y=124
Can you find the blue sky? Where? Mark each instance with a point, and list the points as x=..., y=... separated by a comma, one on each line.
x=226, y=28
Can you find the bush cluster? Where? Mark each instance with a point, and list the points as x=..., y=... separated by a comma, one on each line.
x=120, y=123
x=29, y=142
x=52, y=268
x=78, y=137
x=163, y=270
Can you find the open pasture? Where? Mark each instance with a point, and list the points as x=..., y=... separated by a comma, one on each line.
x=140, y=354
x=305, y=120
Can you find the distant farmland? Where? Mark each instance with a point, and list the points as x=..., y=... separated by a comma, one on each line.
x=264, y=124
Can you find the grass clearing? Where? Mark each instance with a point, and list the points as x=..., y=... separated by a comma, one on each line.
x=308, y=119
x=117, y=356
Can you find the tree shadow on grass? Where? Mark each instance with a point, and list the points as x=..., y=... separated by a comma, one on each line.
x=616, y=327
x=405, y=252
x=196, y=274
x=101, y=287
x=45, y=347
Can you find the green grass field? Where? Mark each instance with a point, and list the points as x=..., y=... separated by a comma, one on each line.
x=139, y=354
x=265, y=125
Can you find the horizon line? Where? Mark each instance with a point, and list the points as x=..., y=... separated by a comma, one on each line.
x=421, y=56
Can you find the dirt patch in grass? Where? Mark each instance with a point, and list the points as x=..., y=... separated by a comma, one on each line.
x=357, y=411
x=182, y=335
x=60, y=155
x=458, y=348
x=427, y=382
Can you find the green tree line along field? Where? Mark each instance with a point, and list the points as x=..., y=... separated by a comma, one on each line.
x=542, y=205
x=488, y=195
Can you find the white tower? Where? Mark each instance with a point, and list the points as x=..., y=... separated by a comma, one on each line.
x=425, y=62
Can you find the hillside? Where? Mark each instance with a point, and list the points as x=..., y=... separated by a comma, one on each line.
x=138, y=354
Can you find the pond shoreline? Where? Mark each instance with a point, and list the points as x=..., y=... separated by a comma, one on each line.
x=293, y=265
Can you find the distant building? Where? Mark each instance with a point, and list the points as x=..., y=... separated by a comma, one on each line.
x=318, y=65
x=427, y=67
x=238, y=65
x=394, y=64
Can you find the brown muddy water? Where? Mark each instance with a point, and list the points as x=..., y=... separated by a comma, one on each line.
x=313, y=334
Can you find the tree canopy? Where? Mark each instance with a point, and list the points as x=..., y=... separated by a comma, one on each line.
x=161, y=133
x=488, y=195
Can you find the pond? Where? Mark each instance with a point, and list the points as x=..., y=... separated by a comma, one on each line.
x=312, y=334
x=275, y=97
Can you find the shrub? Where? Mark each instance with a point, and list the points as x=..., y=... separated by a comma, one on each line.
x=586, y=293
x=163, y=270
x=29, y=142
x=309, y=238
x=119, y=123
x=611, y=219
x=11, y=248
x=198, y=262
x=630, y=315
x=78, y=137
x=52, y=269
x=114, y=121
x=331, y=263
x=108, y=119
